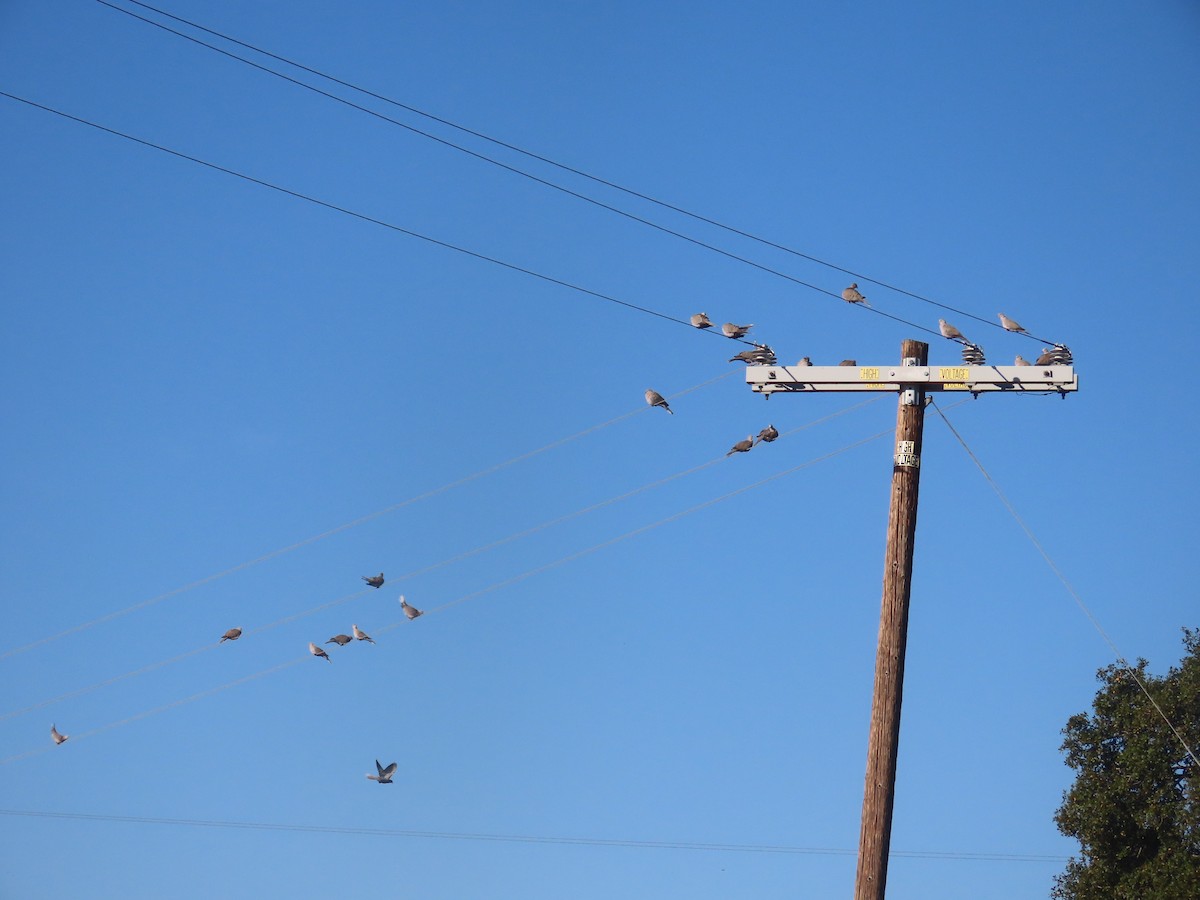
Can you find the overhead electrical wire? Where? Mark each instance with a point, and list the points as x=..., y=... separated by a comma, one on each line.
x=524, y=838
x=543, y=159
x=504, y=583
x=144, y=604
x=212, y=645
x=1069, y=587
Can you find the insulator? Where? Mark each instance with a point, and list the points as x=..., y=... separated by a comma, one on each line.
x=763, y=355
x=972, y=355
x=1062, y=355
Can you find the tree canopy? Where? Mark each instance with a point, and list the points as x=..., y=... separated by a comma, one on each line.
x=1133, y=806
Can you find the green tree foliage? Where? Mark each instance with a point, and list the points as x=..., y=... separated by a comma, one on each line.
x=1134, y=807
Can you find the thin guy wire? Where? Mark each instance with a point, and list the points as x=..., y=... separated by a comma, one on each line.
x=344, y=527
x=365, y=218
x=524, y=838
x=78, y=692
x=471, y=596
x=1070, y=589
x=539, y=158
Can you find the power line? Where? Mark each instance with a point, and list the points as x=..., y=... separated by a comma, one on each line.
x=1067, y=584
x=543, y=159
x=144, y=604
x=364, y=831
x=417, y=572
x=508, y=582
x=365, y=218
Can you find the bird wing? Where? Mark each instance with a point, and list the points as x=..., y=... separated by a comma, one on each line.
x=389, y=771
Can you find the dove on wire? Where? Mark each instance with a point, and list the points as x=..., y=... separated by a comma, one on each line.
x=317, y=651
x=375, y=581
x=700, y=320
x=340, y=639
x=231, y=635
x=768, y=434
x=1020, y=361
x=654, y=398
x=949, y=331
x=1009, y=325
x=852, y=295
x=360, y=635
x=56, y=737
x=741, y=446
x=385, y=774
x=735, y=331
x=410, y=611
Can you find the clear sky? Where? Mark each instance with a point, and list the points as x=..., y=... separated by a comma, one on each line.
x=200, y=371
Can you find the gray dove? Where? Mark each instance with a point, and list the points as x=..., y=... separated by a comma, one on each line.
x=1020, y=361
x=735, y=331
x=749, y=357
x=768, y=434
x=1008, y=324
x=56, y=737
x=741, y=446
x=1046, y=359
x=385, y=774
x=360, y=635
x=848, y=362
x=231, y=635
x=852, y=295
x=654, y=398
x=340, y=639
x=317, y=651
x=700, y=320
x=375, y=581
x=411, y=611
x=805, y=362
x=949, y=331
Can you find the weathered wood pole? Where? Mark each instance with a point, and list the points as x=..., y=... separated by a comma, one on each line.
x=879, y=793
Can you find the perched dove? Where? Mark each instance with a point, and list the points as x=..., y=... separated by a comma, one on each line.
x=735, y=331
x=411, y=611
x=654, y=398
x=231, y=635
x=852, y=295
x=375, y=581
x=805, y=362
x=385, y=774
x=949, y=331
x=768, y=434
x=1008, y=324
x=848, y=362
x=749, y=357
x=317, y=651
x=360, y=635
x=1020, y=361
x=1046, y=359
x=700, y=320
x=56, y=737
x=340, y=639
x=741, y=446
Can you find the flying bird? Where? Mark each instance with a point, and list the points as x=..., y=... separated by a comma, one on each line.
x=411, y=611
x=1008, y=324
x=340, y=639
x=375, y=581
x=700, y=320
x=735, y=331
x=361, y=635
x=317, y=651
x=768, y=434
x=231, y=635
x=56, y=737
x=741, y=446
x=654, y=398
x=949, y=331
x=852, y=295
x=1020, y=361
x=385, y=774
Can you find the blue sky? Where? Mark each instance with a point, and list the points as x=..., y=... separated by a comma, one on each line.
x=201, y=371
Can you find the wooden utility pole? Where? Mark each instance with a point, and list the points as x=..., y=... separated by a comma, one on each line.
x=913, y=380
x=884, y=740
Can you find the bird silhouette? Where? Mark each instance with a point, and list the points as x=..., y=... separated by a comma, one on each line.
x=231, y=635
x=385, y=774
x=56, y=737
x=375, y=581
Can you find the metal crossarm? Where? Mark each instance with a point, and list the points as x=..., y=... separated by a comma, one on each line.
x=973, y=379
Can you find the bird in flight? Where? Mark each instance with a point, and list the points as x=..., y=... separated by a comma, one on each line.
x=385, y=773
